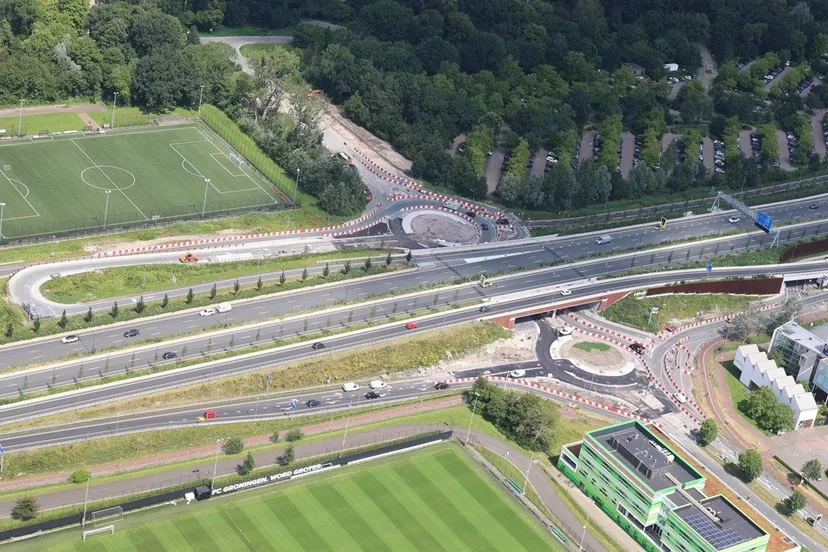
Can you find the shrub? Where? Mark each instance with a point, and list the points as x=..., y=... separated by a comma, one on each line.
x=233, y=445
x=294, y=435
x=25, y=509
x=80, y=476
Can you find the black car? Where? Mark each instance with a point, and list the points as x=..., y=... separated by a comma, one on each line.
x=441, y=385
x=503, y=221
x=169, y=355
x=372, y=395
x=638, y=347
x=471, y=214
x=132, y=333
x=484, y=226
x=318, y=345
x=813, y=206
x=485, y=308
x=313, y=403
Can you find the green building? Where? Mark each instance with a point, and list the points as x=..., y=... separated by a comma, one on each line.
x=656, y=495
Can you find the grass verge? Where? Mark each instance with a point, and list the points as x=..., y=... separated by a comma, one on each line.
x=249, y=30
x=34, y=124
x=133, y=116
x=590, y=346
x=510, y=471
x=673, y=309
x=248, y=49
x=121, y=281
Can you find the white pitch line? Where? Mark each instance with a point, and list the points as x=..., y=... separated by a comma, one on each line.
x=110, y=180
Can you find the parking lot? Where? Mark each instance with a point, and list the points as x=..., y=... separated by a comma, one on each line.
x=744, y=143
x=819, y=132
x=586, y=144
x=777, y=74
x=493, y=168
x=708, y=154
x=627, y=153
x=784, y=153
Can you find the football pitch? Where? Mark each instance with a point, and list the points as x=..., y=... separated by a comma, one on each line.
x=433, y=499
x=84, y=181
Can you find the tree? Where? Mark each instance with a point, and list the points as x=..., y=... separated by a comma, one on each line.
x=367, y=265
x=304, y=274
x=25, y=509
x=288, y=456
x=189, y=298
x=346, y=268
x=139, y=306
x=114, y=311
x=275, y=437
x=80, y=476
x=247, y=465
x=770, y=414
x=708, y=432
x=282, y=278
x=63, y=320
x=213, y=292
x=236, y=287
x=388, y=260
x=233, y=445
x=153, y=30
x=408, y=256
x=88, y=316
x=812, y=470
x=693, y=102
x=511, y=189
x=750, y=463
x=795, y=502
x=36, y=324
x=294, y=435
x=259, y=284
x=10, y=330
x=326, y=271
x=165, y=301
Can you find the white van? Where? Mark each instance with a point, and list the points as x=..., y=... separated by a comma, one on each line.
x=517, y=373
x=603, y=239
x=565, y=330
x=377, y=384
x=224, y=307
x=351, y=386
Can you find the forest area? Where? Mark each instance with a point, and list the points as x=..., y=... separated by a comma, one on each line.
x=525, y=76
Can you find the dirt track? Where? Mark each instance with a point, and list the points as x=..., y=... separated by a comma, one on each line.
x=63, y=108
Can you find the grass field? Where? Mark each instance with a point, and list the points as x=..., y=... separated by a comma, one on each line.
x=53, y=185
x=674, y=309
x=33, y=124
x=590, y=346
x=434, y=499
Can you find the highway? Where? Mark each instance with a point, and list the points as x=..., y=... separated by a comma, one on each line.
x=12, y=383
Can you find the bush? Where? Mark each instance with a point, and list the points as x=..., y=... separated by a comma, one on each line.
x=247, y=465
x=233, y=445
x=287, y=457
x=294, y=435
x=80, y=476
x=25, y=509
x=275, y=437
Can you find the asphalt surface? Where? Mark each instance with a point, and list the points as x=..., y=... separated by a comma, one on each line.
x=118, y=362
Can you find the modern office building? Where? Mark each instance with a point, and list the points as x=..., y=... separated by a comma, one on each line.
x=655, y=494
x=803, y=356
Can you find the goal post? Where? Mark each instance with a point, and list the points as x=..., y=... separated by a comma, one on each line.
x=108, y=528
x=108, y=515
x=237, y=160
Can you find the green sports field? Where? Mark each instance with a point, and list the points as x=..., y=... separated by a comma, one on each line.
x=433, y=499
x=57, y=184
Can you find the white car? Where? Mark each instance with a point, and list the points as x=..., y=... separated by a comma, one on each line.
x=733, y=220
x=350, y=386
x=377, y=384
x=517, y=373
x=70, y=339
x=566, y=292
x=207, y=312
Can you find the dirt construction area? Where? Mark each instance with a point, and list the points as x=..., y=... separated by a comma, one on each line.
x=434, y=226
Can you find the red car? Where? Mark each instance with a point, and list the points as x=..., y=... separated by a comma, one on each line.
x=411, y=326
x=210, y=414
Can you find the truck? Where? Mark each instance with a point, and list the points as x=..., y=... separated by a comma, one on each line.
x=484, y=282
x=453, y=205
x=224, y=307
x=606, y=238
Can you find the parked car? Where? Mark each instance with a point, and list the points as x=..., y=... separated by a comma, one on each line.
x=132, y=333
x=70, y=339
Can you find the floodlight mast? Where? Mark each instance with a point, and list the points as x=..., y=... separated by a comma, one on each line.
x=742, y=208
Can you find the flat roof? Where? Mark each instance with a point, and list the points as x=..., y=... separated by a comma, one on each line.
x=644, y=454
x=797, y=333
x=732, y=528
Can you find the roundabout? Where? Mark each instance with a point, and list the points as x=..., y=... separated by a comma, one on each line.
x=436, y=225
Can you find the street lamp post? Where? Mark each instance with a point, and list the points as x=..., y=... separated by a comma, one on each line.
x=581, y=545
x=114, y=103
x=200, y=96
x=106, y=208
x=85, y=501
x=2, y=208
x=204, y=205
x=526, y=478
x=474, y=407
x=20, y=120
x=215, y=463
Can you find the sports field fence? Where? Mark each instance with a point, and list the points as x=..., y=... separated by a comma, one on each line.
x=230, y=132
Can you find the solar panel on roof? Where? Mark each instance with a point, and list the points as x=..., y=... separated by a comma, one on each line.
x=719, y=538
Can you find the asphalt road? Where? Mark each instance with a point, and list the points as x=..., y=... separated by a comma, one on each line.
x=13, y=383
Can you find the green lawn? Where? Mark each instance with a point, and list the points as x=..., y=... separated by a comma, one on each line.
x=117, y=282
x=673, y=309
x=738, y=392
x=590, y=346
x=54, y=185
x=248, y=49
x=33, y=124
x=249, y=30
x=433, y=499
